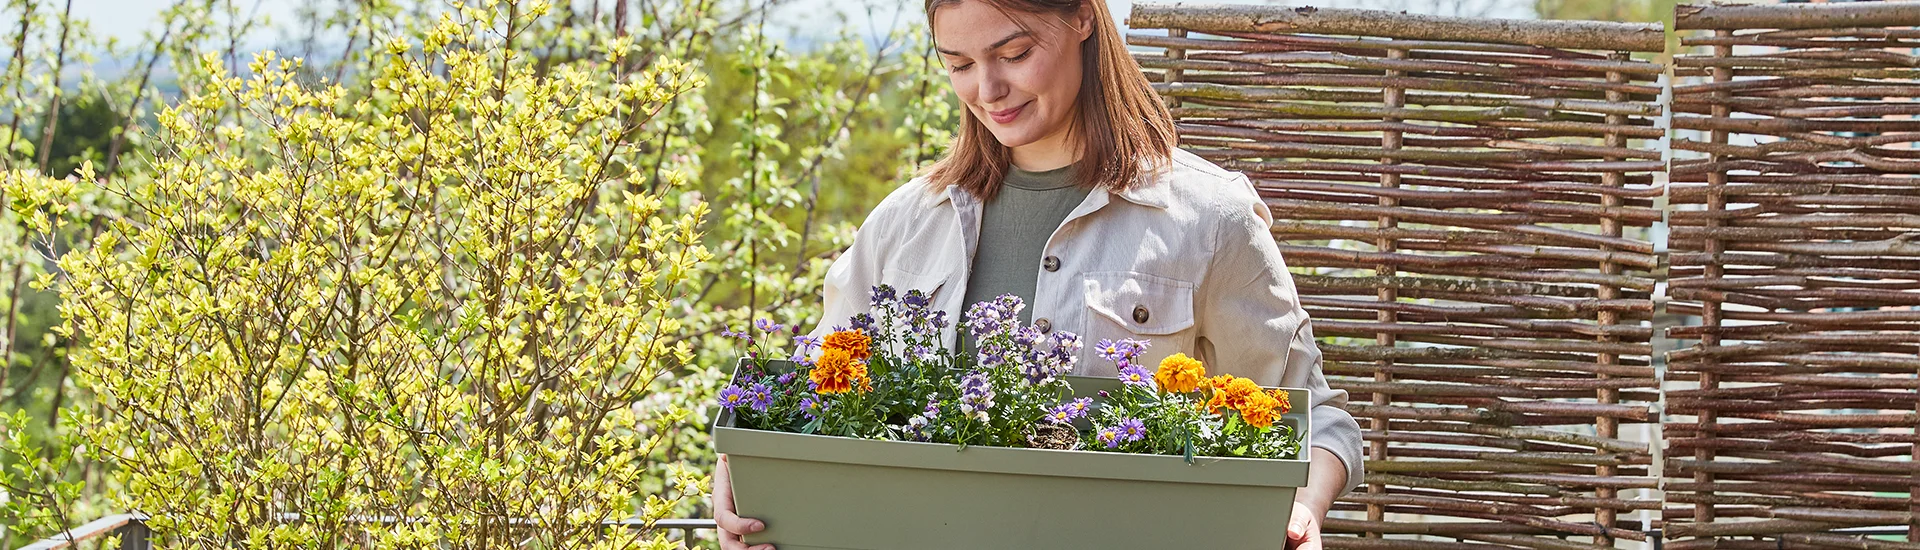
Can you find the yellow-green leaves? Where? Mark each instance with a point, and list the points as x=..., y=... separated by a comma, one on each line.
x=428, y=292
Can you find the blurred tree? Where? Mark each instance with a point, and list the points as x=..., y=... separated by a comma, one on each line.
x=1633, y=11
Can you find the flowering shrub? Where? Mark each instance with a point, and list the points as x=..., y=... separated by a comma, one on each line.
x=886, y=376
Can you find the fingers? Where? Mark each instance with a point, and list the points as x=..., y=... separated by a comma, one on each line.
x=731, y=525
x=1303, y=530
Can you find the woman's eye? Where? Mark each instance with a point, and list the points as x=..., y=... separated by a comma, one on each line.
x=958, y=68
x=1023, y=55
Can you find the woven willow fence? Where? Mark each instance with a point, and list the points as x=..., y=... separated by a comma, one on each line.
x=1464, y=203
x=1797, y=245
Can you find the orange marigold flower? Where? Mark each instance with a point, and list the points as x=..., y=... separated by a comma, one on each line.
x=1238, y=390
x=1219, y=381
x=1179, y=374
x=1286, y=401
x=854, y=342
x=837, y=372
x=1259, y=410
x=1216, y=403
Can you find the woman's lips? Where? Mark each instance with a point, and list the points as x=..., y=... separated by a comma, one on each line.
x=1008, y=115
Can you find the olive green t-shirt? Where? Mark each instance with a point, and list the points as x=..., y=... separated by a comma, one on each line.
x=1014, y=228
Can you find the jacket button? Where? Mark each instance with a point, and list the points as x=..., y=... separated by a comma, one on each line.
x=1043, y=324
x=1052, y=263
x=1140, y=314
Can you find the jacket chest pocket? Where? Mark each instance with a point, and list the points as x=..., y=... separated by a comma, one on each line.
x=1127, y=304
x=902, y=281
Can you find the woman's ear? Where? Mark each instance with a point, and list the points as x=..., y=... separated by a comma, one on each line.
x=1083, y=20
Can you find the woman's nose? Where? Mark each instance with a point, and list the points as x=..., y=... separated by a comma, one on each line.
x=993, y=86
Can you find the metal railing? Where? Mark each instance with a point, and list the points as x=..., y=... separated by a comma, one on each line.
x=134, y=534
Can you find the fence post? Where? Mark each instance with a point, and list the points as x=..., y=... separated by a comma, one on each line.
x=134, y=535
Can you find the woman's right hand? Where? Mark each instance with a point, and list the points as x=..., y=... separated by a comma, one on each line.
x=731, y=526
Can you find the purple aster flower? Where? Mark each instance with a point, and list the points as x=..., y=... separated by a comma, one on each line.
x=760, y=397
x=1110, y=437
x=1132, y=429
x=810, y=406
x=1107, y=349
x=1068, y=411
x=1080, y=406
x=732, y=397
x=768, y=326
x=1136, y=376
x=803, y=347
x=786, y=378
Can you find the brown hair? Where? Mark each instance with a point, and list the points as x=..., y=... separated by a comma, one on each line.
x=1120, y=120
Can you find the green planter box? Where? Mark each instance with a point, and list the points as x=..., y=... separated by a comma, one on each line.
x=826, y=492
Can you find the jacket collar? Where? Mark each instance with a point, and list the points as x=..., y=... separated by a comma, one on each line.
x=1150, y=188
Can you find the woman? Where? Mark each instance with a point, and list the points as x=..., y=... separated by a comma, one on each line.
x=1064, y=188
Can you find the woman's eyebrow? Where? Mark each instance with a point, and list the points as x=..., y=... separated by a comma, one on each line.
x=995, y=46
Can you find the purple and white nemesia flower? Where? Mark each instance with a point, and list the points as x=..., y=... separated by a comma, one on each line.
x=918, y=424
x=976, y=395
x=882, y=296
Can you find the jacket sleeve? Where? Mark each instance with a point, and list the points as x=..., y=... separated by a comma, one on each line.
x=849, y=282
x=1255, y=326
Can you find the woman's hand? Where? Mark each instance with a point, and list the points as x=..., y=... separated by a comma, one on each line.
x=1325, y=482
x=1303, y=529
x=733, y=526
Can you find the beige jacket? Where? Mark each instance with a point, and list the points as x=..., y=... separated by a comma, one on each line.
x=1184, y=260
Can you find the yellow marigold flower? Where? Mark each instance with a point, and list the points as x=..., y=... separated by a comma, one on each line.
x=854, y=342
x=1259, y=410
x=837, y=372
x=1286, y=401
x=1179, y=374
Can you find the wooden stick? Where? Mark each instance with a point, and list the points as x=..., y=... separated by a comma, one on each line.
x=1590, y=35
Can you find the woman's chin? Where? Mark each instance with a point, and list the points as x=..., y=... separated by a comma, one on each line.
x=1014, y=137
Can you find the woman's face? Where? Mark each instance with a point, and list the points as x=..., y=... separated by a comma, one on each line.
x=1022, y=84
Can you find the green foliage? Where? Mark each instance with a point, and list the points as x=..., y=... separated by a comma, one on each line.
x=432, y=293
x=38, y=491
x=453, y=271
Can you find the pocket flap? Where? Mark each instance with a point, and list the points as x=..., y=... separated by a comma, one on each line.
x=1143, y=303
x=902, y=281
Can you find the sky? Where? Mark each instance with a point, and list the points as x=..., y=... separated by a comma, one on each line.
x=127, y=19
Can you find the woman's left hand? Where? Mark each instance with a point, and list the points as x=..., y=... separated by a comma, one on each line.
x=1303, y=529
